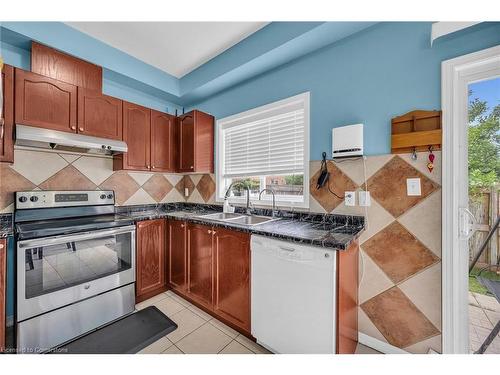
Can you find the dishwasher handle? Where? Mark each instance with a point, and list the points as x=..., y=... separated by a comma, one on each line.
x=290, y=249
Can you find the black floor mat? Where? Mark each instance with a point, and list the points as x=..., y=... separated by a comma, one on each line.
x=125, y=336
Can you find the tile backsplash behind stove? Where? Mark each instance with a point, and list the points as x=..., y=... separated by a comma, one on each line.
x=400, y=255
x=47, y=170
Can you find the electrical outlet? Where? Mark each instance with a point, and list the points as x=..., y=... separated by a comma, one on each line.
x=365, y=199
x=350, y=198
x=413, y=187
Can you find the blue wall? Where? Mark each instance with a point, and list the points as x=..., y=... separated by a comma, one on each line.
x=370, y=77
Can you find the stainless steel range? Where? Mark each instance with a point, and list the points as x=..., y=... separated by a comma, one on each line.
x=75, y=265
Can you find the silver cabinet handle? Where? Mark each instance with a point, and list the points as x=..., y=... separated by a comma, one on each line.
x=287, y=248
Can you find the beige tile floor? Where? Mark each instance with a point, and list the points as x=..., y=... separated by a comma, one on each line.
x=484, y=313
x=200, y=333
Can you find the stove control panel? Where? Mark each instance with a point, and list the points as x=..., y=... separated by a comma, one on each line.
x=51, y=199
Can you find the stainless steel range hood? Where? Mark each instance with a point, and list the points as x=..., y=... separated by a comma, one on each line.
x=57, y=140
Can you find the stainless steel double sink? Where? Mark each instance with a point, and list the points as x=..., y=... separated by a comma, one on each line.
x=238, y=218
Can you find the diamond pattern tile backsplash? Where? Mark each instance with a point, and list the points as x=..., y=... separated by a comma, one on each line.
x=400, y=265
x=45, y=170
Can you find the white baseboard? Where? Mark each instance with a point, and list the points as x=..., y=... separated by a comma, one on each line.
x=381, y=346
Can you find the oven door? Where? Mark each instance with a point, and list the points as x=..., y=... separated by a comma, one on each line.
x=53, y=272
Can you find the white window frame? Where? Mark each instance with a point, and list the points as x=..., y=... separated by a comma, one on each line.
x=266, y=198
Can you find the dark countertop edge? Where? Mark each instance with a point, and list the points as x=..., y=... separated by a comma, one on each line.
x=251, y=230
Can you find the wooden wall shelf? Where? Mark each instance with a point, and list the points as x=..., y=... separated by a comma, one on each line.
x=416, y=131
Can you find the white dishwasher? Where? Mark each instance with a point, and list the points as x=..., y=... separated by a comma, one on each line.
x=293, y=296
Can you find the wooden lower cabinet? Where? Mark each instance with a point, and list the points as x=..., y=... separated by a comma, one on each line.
x=217, y=269
x=200, y=263
x=347, y=299
x=150, y=259
x=177, y=254
x=3, y=281
x=232, y=276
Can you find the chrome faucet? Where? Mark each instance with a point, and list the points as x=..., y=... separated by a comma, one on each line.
x=228, y=191
x=273, y=212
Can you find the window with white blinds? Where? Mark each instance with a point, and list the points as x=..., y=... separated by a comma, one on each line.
x=267, y=141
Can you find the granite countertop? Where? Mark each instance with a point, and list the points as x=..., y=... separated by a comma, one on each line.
x=323, y=230
x=6, y=229
x=328, y=231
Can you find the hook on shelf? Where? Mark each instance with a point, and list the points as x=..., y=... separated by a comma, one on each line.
x=414, y=154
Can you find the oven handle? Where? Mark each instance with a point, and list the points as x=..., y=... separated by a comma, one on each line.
x=74, y=237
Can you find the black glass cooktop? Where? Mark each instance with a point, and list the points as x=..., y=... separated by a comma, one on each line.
x=56, y=227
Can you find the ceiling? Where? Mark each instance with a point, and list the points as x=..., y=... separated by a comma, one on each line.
x=174, y=47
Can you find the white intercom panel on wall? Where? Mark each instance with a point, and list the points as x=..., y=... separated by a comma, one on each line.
x=347, y=141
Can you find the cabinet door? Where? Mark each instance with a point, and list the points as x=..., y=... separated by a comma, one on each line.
x=177, y=255
x=347, y=299
x=186, y=143
x=232, y=276
x=163, y=142
x=7, y=116
x=150, y=256
x=204, y=142
x=44, y=102
x=137, y=135
x=99, y=115
x=3, y=280
x=200, y=263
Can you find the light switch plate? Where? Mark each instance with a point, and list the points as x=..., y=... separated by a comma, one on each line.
x=186, y=192
x=365, y=199
x=413, y=187
x=350, y=198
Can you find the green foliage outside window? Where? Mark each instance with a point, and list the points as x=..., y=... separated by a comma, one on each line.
x=484, y=146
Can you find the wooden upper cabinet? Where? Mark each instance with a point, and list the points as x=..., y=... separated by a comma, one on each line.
x=177, y=254
x=151, y=259
x=200, y=264
x=58, y=65
x=232, y=276
x=137, y=135
x=44, y=102
x=196, y=142
x=99, y=115
x=3, y=290
x=186, y=143
x=163, y=142
x=7, y=116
